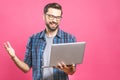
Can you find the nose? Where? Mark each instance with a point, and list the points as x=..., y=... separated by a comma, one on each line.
x=55, y=19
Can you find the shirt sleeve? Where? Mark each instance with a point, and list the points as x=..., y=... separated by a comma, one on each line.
x=73, y=39
x=28, y=53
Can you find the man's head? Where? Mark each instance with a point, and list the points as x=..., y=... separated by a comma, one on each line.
x=52, y=16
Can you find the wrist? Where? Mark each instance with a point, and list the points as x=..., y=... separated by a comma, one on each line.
x=13, y=57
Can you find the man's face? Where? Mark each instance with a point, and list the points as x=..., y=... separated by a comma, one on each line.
x=52, y=19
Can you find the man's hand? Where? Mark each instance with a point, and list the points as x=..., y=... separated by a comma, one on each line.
x=20, y=64
x=69, y=69
x=9, y=49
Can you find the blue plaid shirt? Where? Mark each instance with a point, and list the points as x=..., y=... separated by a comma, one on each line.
x=34, y=52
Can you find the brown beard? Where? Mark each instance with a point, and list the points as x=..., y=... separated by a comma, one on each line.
x=50, y=27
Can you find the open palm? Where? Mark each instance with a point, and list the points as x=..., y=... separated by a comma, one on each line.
x=9, y=49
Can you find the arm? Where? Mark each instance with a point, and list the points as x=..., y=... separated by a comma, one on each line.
x=19, y=63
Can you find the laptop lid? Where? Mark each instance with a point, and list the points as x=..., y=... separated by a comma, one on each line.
x=69, y=53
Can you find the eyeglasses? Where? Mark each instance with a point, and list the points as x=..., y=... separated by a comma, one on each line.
x=52, y=17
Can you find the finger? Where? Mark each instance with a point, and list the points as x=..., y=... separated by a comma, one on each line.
x=5, y=45
x=63, y=64
x=9, y=44
x=73, y=65
x=60, y=66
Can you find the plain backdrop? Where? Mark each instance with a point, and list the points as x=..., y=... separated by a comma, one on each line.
x=95, y=21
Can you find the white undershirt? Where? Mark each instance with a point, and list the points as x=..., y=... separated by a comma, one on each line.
x=47, y=72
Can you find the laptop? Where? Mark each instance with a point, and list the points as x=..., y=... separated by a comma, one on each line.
x=69, y=53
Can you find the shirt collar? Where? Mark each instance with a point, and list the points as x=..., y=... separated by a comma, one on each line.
x=59, y=33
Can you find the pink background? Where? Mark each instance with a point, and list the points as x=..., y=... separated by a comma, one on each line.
x=95, y=21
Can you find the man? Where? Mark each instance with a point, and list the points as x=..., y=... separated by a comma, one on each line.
x=39, y=45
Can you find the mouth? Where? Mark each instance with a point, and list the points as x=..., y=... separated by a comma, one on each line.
x=53, y=23
x=52, y=26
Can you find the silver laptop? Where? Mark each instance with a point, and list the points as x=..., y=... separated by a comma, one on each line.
x=69, y=53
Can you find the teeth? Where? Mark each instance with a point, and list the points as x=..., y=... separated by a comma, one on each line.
x=53, y=23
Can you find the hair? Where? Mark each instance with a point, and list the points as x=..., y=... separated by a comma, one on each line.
x=52, y=5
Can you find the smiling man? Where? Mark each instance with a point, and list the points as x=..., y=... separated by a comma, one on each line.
x=39, y=46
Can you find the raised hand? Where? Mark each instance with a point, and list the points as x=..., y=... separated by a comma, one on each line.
x=9, y=49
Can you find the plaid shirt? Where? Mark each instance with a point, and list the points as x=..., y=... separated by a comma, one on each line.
x=34, y=52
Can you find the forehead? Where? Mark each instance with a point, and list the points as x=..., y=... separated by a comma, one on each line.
x=53, y=11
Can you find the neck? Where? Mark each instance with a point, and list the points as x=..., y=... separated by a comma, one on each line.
x=51, y=33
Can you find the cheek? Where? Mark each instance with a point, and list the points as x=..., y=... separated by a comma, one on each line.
x=58, y=22
x=47, y=21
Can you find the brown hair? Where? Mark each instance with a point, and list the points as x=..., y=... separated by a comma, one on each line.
x=52, y=5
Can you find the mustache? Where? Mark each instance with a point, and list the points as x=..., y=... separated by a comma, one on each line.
x=53, y=23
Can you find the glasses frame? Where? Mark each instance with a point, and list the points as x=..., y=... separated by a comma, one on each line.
x=52, y=17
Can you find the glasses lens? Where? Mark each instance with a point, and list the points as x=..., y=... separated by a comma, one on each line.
x=51, y=17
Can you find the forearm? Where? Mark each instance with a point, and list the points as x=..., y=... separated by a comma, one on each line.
x=20, y=64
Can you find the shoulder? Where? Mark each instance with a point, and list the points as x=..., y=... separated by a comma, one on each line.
x=37, y=35
x=66, y=34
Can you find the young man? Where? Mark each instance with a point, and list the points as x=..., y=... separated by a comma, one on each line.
x=39, y=45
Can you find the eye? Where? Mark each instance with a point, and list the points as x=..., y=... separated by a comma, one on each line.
x=51, y=16
x=58, y=17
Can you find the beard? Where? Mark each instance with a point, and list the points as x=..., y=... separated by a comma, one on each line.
x=50, y=28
